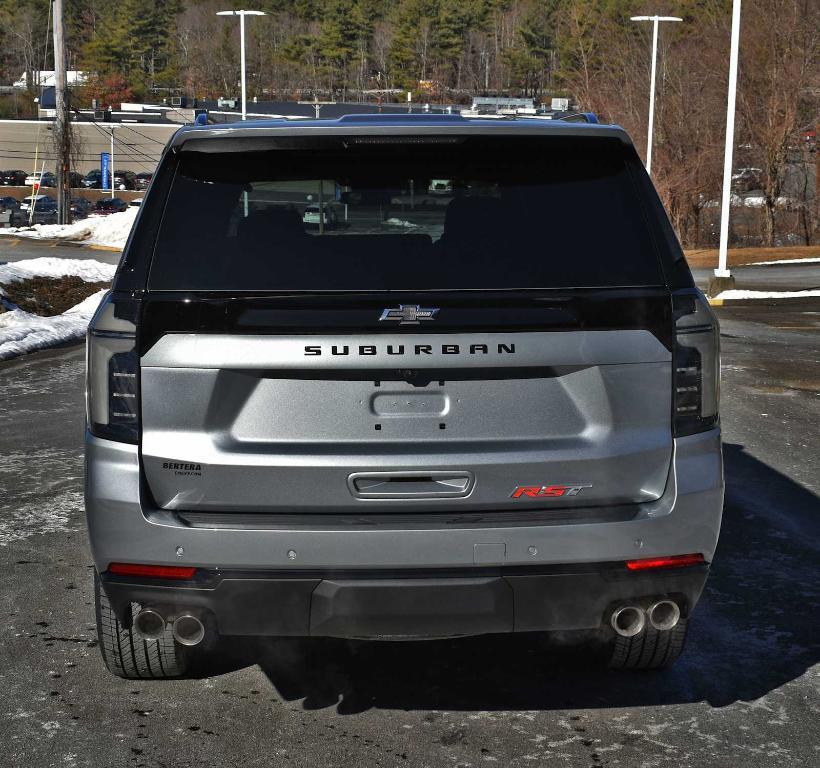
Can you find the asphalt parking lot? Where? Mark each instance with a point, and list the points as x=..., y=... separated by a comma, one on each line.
x=745, y=692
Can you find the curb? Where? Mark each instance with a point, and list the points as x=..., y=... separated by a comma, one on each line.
x=806, y=301
x=55, y=243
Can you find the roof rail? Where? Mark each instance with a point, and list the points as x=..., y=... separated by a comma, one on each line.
x=579, y=117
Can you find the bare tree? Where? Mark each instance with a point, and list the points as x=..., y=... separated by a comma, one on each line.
x=778, y=60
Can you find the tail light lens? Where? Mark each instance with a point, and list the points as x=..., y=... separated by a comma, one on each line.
x=673, y=561
x=112, y=371
x=696, y=360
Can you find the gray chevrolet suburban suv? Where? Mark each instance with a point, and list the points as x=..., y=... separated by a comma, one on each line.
x=412, y=415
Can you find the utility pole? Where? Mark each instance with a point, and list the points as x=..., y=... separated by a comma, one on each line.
x=62, y=119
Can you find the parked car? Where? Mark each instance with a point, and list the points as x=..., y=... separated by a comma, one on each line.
x=125, y=180
x=93, y=179
x=747, y=179
x=13, y=178
x=44, y=179
x=109, y=205
x=26, y=202
x=440, y=187
x=9, y=211
x=143, y=180
x=45, y=211
x=80, y=207
x=352, y=436
x=311, y=216
x=75, y=180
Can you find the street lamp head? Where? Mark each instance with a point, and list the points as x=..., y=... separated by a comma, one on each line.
x=241, y=13
x=655, y=18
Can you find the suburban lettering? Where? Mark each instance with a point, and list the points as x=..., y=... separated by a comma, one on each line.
x=372, y=350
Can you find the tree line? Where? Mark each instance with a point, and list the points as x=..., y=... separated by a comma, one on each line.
x=448, y=50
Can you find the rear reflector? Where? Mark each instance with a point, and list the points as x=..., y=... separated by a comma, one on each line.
x=152, y=571
x=674, y=561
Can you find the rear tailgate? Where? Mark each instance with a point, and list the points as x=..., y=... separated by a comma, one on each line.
x=376, y=422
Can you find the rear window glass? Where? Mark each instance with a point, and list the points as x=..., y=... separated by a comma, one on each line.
x=359, y=215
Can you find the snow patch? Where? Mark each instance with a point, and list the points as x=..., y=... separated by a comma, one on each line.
x=741, y=294
x=89, y=270
x=22, y=332
x=400, y=223
x=111, y=230
x=781, y=261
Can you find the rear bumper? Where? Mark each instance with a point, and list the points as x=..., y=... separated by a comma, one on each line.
x=418, y=605
x=121, y=528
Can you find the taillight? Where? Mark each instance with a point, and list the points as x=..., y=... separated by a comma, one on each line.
x=182, y=572
x=112, y=371
x=673, y=561
x=696, y=361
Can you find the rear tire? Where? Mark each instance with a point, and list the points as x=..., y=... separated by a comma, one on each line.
x=651, y=649
x=128, y=655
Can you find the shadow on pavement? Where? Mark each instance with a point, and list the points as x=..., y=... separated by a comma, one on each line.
x=754, y=630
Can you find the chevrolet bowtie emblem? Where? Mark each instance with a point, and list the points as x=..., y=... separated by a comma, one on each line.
x=409, y=314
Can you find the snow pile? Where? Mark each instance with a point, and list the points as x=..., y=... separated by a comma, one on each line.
x=400, y=223
x=781, y=261
x=89, y=270
x=751, y=201
x=741, y=294
x=21, y=332
x=111, y=230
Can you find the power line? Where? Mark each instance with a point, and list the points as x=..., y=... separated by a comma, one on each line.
x=108, y=136
x=142, y=135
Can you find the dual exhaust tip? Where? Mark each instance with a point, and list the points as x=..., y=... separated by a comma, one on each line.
x=630, y=620
x=186, y=628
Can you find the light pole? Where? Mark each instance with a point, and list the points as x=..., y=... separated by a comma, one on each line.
x=654, y=20
x=242, y=15
x=723, y=277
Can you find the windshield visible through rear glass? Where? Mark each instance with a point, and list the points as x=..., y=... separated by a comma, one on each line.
x=360, y=215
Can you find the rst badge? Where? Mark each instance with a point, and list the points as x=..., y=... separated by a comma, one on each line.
x=548, y=491
x=409, y=314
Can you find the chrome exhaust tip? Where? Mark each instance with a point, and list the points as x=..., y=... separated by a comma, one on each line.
x=188, y=629
x=663, y=614
x=628, y=620
x=149, y=624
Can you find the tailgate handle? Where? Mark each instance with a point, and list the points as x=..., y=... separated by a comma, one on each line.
x=411, y=485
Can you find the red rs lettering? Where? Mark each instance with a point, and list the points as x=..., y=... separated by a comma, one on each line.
x=523, y=490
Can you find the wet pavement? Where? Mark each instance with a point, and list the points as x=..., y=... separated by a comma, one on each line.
x=744, y=693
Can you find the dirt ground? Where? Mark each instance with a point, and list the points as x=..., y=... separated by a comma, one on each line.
x=47, y=296
x=705, y=258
